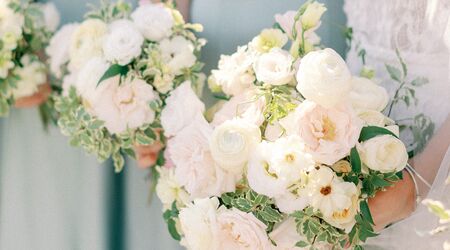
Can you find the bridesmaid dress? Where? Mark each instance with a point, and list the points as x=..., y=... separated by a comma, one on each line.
x=227, y=24
x=52, y=196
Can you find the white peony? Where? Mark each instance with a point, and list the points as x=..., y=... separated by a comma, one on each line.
x=182, y=106
x=169, y=190
x=31, y=75
x=154, y=21
x=58, y=49
x=239, y=230
x=126, y=105
x=51, y=16
x=367, y=95
x=231, y=143
x=323, y=77
x=313, y=13
x=269, y=39
x=274, y=67
x=123, y=42
x=235, y=73
x=336, y=199
x=384, y=153
x=86, y=43
x=195, y=167
x=178, y=54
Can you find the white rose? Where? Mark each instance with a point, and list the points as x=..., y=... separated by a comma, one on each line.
x=269, y=39
x=195, y=167
x=336, y=199
x=154, y=21
x=323, y=77
x=58, y=49
x=235, y=73
x=182, y=106
x=274, y=67
x=311, y=16
x=169, y=190
x=178, y=54
x=243, y=106
x=86, y=43
x=374, y=118
x=231, y=143
x=384, y=153
x=198, y=223
x=367, y=95
x=51, y=16
x=285, y=235
x=240, y=230
x=31, y=75
x=126, y=105
x=123, y=42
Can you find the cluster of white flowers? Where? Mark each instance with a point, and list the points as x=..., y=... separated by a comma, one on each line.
x=299, y=160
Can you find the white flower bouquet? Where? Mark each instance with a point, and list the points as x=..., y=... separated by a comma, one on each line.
x=117, y=68
x=290, y=159
x=25, y=30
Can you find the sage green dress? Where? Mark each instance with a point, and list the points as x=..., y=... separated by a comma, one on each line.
x=228, y=24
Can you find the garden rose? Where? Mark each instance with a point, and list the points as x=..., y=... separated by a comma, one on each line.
x=367, y=95
x=154, y=21
x=274, y=67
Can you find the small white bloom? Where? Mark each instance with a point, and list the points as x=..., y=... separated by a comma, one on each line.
x=367, y=95
x=123, y=42
x=231, y=143
x=154, y=21
x=323, y=77
x=384, y=153
x=178, y=54
x=11, y=22
x=58, y=49
x=182, y=106
x=169, y=190
x=51, y=16
x=269, y=39
x=31, y=75
x=274, y=67
x=311, y=16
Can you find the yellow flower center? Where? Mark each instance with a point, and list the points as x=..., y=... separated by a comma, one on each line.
x=341, y=214
x=289, y=158
x=328, y=129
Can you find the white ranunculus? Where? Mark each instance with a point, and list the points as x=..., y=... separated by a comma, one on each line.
x=154, y=21
x=285, y=235
x=311, y=16
x=269, y=39
x=231, y=143
x=374, y=118
x=323, y=77
x=178, y=54
x=198, y=223
x=195, y=167
x=86, y=43
x=123, y=42
x=31, y=75
x=235, y=73
x=58, y=49
x=384, y=153
x=367, y=95
x=169, y=190
x=88, y=79
x=274, y=67
x=51, y=16
x=336, y=199
x=182, y=106
x=239, y=230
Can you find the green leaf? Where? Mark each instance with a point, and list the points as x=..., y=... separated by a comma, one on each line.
x=419, y=81
x=173, y=229
x=114, y=70
x=242, y=204
x=96, y=124
x=130, y=152
x=355, y=161
x=143, y=139
x=364, y=206
x=394, y=72
x=380, y=182
x=372, y=131
x=302, y=244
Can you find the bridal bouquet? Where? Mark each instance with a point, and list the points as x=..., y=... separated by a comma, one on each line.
x=118, y=67
x=25, y=29
x=289, y=160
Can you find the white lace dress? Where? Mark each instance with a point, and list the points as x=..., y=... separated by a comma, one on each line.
x=420, y=30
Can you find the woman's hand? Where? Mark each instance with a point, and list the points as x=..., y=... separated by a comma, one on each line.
x=395, y=203
x=148, y=155
x=36, y=99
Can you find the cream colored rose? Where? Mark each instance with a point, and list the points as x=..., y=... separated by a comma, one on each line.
x=231, y=143
x=328, y=134
x=274, y=67
x=384, y=153
x=323, y=77
x=269, y=39
x=342, y=166
x=367, y=95
x=86, y=43
x=311, y=16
